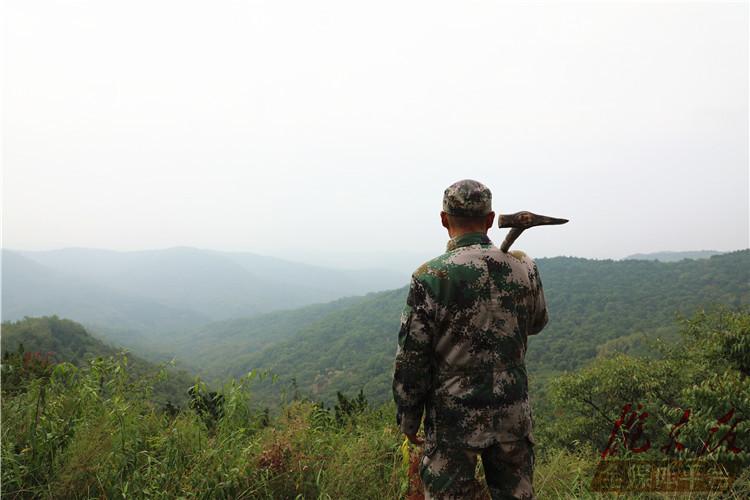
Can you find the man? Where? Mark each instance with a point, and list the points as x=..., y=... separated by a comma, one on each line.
x=460, y=357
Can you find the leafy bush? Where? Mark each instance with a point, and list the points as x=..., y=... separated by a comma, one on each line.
x=695, y=400
x=94, y=430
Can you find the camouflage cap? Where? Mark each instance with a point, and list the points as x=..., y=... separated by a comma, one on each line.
x=467, y=198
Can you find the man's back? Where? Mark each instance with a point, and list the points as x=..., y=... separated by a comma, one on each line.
x=460, y=357
x=469, y=314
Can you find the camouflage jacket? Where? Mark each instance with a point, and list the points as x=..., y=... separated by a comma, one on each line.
x=462, y=342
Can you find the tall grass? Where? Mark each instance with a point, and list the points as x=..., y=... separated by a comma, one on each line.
x=95, y=433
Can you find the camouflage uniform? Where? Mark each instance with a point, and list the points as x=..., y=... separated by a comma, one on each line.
x=460, y=360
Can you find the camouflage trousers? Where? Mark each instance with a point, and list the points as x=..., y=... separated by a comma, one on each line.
x=449, y=474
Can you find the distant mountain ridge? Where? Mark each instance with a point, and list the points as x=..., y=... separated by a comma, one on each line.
x=674, y=256
x=32, y=289
x=169, y=290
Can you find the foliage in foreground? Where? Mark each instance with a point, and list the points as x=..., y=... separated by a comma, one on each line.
x=91, y=432
x=65, y=340
x=94, y=431
x=701, y=382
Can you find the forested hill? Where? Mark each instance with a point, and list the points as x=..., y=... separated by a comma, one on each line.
x=593, y=304
x=62, y=340
x=673, y=256
x=209, y=345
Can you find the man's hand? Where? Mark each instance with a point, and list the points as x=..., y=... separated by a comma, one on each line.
x=414, y=439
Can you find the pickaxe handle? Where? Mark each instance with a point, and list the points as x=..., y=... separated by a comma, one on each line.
x=521, y=221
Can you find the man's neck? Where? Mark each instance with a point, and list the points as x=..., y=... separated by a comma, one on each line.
x=468, y=238
x=456, y=233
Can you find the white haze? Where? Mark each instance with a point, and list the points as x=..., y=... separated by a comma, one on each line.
x=327, y=130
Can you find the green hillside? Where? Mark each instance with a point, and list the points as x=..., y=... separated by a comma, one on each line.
x=594, y=306
x=244, y=336
x=593, y=302
x=347, y=350
x=103, y=429
x=63, y=340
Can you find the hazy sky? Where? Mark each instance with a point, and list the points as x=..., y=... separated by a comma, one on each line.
x=295, y=128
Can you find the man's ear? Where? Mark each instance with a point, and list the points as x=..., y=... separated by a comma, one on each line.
x=444, y=219
x=489, y=220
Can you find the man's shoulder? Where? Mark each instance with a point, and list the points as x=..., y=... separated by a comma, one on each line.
x=448, y=269
x=521, y=256
x=456, y=263
x=447, y=265
x=431, y=267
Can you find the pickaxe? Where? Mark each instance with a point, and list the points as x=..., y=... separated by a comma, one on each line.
x=521, y=221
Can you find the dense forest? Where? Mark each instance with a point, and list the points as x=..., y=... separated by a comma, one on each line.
x=94, y=430
x=295, y=404
x=593, y=302
x=595, y=307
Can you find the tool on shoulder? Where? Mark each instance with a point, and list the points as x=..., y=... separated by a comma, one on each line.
x=521, y=221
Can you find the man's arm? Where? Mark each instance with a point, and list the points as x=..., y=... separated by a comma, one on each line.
x=412, y=374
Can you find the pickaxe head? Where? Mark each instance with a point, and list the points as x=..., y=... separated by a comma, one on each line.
x=520, y=221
